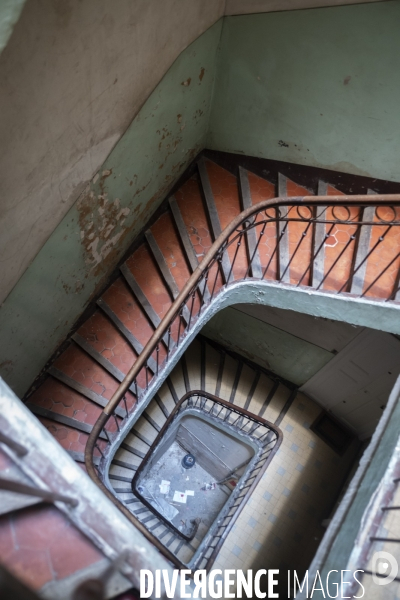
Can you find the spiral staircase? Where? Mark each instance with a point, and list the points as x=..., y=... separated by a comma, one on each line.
x=224, y=229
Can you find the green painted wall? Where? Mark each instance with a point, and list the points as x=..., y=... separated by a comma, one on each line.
x=162, y=140
x=283, y=353
x=10, y=11
x=316, y=87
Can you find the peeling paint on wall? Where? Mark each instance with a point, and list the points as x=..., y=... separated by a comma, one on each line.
x=281, y=93
x=101, y=225
x=166, y=135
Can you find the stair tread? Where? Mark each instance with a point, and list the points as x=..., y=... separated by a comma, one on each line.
x=193, y=213
x=218, y=218
x=105, y=339
x=168, y=242
x=145, y=271
x=86, y=374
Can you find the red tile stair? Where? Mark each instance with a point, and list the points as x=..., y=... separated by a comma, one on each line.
x=83, y=378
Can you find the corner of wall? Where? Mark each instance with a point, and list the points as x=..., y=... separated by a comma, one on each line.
x=72, y=266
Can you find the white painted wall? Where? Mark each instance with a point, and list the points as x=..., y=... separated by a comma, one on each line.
x=74, y=74
x=355, y=385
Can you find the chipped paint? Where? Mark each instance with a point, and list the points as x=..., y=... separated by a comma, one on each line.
x=101, y=227
x=73, y=265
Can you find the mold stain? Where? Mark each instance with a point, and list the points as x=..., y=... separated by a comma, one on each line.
x=202, y=71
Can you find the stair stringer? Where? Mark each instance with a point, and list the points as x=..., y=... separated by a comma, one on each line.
x=350, y=309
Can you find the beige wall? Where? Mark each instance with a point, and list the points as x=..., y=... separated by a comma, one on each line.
x=74, y=74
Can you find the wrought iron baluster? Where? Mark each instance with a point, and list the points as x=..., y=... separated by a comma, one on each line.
x=238, y=419
x=116, y=421
x=320, y=247
x=125, y=404
x=205, y=287
x=201, y=294
x=234, y=256
x=254, y=427
x=337, y=259
x=99, y=449
x=256, y=248
x=219, y=268
x=220, y=411
x=106, y=434
x=302, y=238
x=180, y=326
x=354, y=270
x=380, y=274
x=246, y=422
x=276, y=249
x=228, y=414
x=191, y=309
x=169, y=342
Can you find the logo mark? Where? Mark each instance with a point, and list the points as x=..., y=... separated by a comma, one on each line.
x=384, y=568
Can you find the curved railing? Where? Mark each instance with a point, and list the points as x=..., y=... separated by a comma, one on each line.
x=266, y=436
x=344, y=244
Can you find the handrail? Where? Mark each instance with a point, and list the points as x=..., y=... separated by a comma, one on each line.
x=18, y=448
x=17, y=487
x=199, y=275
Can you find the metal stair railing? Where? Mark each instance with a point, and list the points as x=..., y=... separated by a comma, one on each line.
x=188, y=306
x=49, y=474
x=266, y=436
